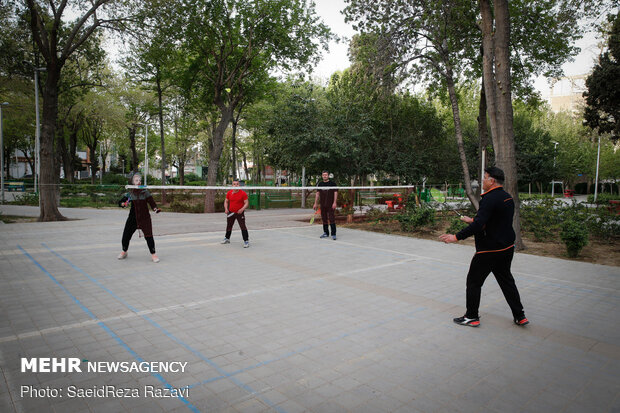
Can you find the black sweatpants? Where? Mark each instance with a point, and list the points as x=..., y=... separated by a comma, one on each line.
x=130, y=227
x=328, y=215
x=499, y=264
x=230, y=221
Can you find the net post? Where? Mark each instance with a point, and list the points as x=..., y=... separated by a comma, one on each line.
x=352, y=197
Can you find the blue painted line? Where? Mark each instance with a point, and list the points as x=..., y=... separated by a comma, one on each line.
x=310, y=347
x=106, y=328
x=126, y=304
x=223, y=373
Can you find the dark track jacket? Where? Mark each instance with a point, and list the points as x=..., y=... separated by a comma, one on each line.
x=492, y=226
x=140, y=200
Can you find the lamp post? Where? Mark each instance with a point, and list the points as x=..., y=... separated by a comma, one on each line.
x=555, y=146
x=2, y=151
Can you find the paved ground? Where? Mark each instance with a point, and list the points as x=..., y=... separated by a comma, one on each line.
x=294, y=323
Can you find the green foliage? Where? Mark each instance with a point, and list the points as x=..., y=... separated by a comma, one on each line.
x=412, y=219
x=603, y=88
x=181, y=205
x=192, y=177
x=456, y=225
x=575, y=236
x=541, y=218
x=544, y=219
x=196, y=183
x=27, y=198
x=534, y=148
x=603, y=198
x=352, y=129
x=115, y=179
x=526, y=197
x=377, y=215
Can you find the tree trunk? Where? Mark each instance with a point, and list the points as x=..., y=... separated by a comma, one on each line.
x=66, y=157
x=496, y=69
x=235, y=121
x=132, y=147
x=245, y=165
x=93, y=162
x=48, y=195
x=30, y=162
x=182, y=171
x=459, y=138
x=483, y=132
x=161, y=136
x=104, y=155
x=234, y=147
x=217, y=145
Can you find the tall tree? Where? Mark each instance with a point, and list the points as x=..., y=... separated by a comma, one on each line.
x=498, y=94
x=434, y=40
x=56, y=40
x=150, y=61
x=233, y=43
x=603, y=88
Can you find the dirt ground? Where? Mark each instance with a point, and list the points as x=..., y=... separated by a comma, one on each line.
x=597, y=251
x=14, y=219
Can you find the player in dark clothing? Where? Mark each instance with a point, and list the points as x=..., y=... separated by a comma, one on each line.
x=495, y=237
x=327, y=200
x=139, y=216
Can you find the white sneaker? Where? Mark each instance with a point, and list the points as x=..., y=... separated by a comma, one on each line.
x=155, y=258
x=246, y=244
x=122, y=255
x=225, y=241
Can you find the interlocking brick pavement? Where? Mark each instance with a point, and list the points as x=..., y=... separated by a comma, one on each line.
x=295, y=323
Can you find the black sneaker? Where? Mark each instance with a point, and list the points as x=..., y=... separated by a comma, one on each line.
x=464, y=321
x=522, y=321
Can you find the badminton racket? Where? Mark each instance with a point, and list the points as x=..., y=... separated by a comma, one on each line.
x=314, y=216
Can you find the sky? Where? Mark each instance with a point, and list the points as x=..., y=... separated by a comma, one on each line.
x=337, y=58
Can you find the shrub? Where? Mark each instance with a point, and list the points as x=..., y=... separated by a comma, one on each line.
x=116, y=179
x=378, y=215
x=525, y=197
x=603, y=198
x=575, y=236
x=541, y=218
x=179, y=205
x=27, y=198
x=192, y=177
x=456, y=225
x=413, y=218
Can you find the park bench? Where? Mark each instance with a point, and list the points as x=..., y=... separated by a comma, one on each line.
x=16, y=186
x=278, y=197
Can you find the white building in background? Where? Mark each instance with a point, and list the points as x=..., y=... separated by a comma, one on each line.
x=18, y=165
x=566, y=94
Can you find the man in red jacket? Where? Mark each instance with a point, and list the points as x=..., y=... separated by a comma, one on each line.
x=235, y=204
x=495, y=237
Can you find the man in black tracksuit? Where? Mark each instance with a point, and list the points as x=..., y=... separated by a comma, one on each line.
x=327, y=199
x=495, y=237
